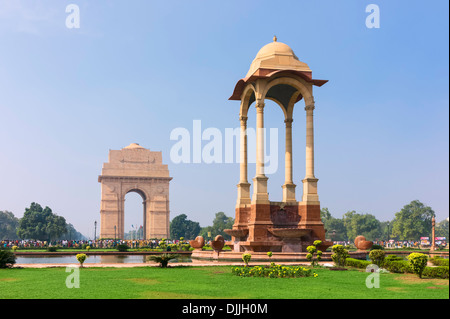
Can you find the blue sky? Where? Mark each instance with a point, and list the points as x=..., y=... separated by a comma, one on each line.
x=135, y=70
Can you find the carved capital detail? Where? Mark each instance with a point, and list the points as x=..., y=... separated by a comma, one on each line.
x=243, y=120
x=310, y=104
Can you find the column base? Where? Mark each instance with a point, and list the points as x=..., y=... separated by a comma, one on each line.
x=289, y=192
x=260, y=195
x=310, y=190
x=243, y=197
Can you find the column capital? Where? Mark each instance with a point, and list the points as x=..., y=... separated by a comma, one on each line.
x=243, y=119
x=259, y=104
x=309, y=103
x=310, y=107
x=288, y=122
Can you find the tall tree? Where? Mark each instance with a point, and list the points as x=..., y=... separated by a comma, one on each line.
x=41, y=224
x=366, y=225
x=412, y=222
x=183, y=227
x=71, y=234
x=221, y=222
x=335, y=228
x=8, y=225
x=442, y=229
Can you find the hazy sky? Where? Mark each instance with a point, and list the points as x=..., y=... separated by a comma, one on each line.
x=136, y=70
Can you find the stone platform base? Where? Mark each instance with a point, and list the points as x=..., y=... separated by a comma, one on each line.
x=261, y=256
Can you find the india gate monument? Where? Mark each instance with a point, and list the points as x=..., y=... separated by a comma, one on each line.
x=134, y=169
x=289, y=224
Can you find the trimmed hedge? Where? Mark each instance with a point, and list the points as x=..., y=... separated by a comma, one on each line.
x=398, y=266
x=357, y=263
x=393, y=258
x=439, y=261
x=436, y=272
x=401, y=267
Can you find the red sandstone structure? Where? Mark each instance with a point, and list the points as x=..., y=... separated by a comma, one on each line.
x=289, y=225
x=362, y=244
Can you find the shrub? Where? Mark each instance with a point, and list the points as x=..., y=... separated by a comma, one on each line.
x=269, y=254
x=437, y=261
x=163, y=244
x=163, y=259
x=246, y=258
x=7, y=259
x=377, y=257
x=88, y=248
x=357, y=263
x=313, y=250
x=390, y=258
x=376, y=246
x=418, y=263
x=340, y=255
x=186, y=247
x=436, y=272
x=274, y=271
x=398, y=266
x=14, y=248
x=52, y=249
x=81, y=258
x=122, y=247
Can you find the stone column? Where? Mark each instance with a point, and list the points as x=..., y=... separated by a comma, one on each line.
x=243, y=150
x=288, y=187
x=244, y=185
x=310, y=181
x=260, y=194
x=433, y=227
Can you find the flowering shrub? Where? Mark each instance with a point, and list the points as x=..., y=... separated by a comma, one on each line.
x=274, y=271
x=88, y=248
x=14, y=248
x=81, y=258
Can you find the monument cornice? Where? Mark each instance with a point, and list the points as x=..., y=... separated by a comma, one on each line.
x=133, y=178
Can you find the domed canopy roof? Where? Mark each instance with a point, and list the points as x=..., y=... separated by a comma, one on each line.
x=275, y=59
x=134, y=146
x=277, y=56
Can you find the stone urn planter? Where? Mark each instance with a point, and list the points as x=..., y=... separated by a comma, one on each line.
x=218, y=243
x=362, y=244
x=197, y=243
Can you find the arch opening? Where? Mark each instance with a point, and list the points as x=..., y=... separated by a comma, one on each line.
x=134, y=215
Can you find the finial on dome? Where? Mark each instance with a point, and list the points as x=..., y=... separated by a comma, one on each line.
x=275, y=38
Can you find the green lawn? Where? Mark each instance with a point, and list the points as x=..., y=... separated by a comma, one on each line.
x=209, y=282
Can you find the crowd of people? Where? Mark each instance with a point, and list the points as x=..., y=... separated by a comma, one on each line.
x=99, y=243
x=393, y=244
x=155, y=243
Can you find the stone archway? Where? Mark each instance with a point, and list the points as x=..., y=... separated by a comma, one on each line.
x=134, y=169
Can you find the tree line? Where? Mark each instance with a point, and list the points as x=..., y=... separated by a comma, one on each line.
x=180, y=226
x=37, y=223
x=409, y=224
